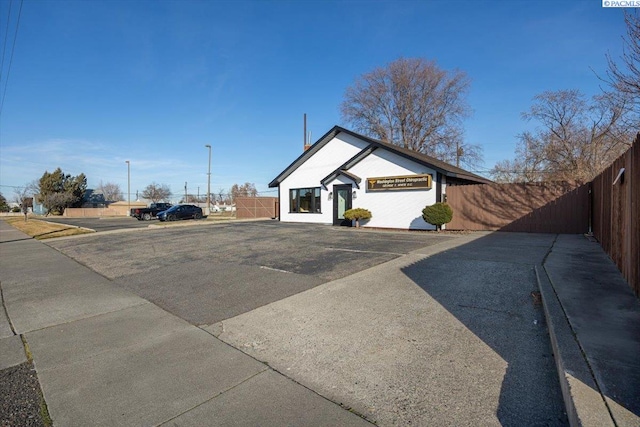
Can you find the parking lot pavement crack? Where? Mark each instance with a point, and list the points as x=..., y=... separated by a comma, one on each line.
x=544, y=260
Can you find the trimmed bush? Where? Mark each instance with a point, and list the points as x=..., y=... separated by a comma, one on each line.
x=437, y=214
x=357, y=214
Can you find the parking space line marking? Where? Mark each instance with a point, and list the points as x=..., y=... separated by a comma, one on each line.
x=264, y=267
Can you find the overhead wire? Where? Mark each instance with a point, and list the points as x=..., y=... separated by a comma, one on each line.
x=6, y=37
x=13, y=49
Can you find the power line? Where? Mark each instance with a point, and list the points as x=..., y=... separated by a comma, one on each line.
x=13, y=49
x=17, y=187
x=6, y=37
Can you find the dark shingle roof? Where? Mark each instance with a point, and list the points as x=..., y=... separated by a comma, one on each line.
x=431, y=162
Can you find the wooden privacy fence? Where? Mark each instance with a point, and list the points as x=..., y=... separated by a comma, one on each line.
x=97, y=212
x=616, y=213
x=256, y=207
x=531, y=207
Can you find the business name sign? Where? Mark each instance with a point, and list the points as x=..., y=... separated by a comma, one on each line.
x=409, y=182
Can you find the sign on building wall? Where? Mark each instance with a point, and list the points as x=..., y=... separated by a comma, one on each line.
x=408, y=182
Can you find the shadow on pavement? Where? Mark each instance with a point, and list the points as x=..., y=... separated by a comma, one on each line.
x=489, y=285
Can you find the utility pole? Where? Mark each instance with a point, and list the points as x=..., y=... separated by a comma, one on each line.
x=128, y=186
x=459, y=153
x=208, y=210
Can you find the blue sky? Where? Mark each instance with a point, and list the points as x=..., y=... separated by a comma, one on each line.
x=95, y=83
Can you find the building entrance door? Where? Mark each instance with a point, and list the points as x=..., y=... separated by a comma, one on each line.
x=341, y=203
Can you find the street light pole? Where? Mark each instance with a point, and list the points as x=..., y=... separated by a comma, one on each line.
x=128, y=186
x=208, y=210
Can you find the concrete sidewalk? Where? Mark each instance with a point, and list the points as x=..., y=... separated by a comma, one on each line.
x=594, y=321
x=107, y=357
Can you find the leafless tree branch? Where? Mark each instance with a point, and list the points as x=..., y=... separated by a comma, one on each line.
x=416, y=105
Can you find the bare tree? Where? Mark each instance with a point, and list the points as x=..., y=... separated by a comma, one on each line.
x=192, y=198
x=245, y=190
x=24, y=198
x=33, y=187
x=414, y=104
x=223, y=196
x=576, y=138
x=157, y=192
x=625, y=78
x=110, y=191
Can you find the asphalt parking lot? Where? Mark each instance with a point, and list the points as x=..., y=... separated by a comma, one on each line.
x=207, y=273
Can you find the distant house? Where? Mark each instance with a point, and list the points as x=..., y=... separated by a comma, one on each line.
x=38, y=207
x=344, y=169
x=93, y=199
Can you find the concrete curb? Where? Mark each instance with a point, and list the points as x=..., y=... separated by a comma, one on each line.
x=584, y=403
x=68, y=225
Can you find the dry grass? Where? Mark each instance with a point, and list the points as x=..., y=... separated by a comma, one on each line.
x=44, y=230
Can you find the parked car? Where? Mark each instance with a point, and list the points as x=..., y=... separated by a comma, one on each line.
x=177, y=212
x=145, y=214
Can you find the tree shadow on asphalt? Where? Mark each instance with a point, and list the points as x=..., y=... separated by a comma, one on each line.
x=487, y=285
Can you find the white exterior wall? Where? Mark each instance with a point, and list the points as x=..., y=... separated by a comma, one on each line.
x=390, y=209
x=393, y=208
x=310, y=173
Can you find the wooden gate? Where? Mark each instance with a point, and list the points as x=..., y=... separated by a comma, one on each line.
x=256, y=207
x=530, y=208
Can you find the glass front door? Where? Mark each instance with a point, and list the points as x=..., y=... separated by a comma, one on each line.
x=341, y=203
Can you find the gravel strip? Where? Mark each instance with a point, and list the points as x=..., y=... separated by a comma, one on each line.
x=20, y=396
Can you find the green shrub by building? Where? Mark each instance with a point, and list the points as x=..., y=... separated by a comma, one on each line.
x=357, y=214
x=437, y=214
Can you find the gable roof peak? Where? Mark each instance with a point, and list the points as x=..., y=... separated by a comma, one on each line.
x=431, y=162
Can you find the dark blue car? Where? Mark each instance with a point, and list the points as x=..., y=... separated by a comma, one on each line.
x=177, y=212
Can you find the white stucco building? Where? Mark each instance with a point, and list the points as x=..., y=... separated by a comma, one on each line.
x=344, y=169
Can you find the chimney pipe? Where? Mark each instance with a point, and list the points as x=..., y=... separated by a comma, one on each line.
x=305, y=145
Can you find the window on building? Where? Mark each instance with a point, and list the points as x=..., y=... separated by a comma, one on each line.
x=304, y=200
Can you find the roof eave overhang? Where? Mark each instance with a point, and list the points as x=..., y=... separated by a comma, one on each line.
x=305, y=155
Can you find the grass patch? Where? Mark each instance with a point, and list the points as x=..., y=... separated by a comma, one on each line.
x=44, y=230
x=27, y=349
x=219, y=218
x=44, y=412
